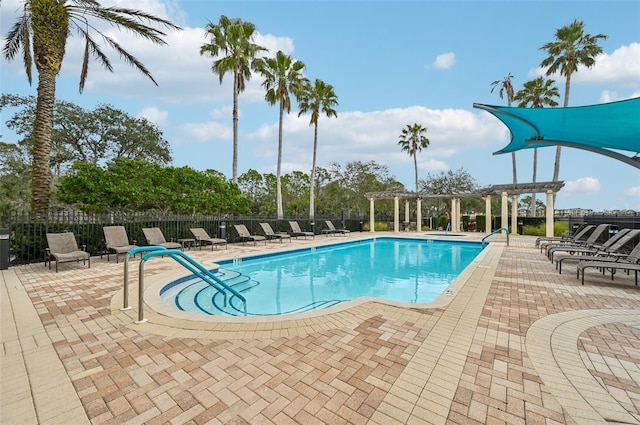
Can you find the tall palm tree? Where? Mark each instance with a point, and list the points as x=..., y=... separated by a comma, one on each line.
x=506, y=88
x=282, y=76
x=412, y=140
x=316, y=98
x=41, y=34
x=572, y=47
x=232, y=38
x=537, y=93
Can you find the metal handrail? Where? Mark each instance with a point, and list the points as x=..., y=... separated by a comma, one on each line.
x=502, y=229
x=133, y=252
x=191, y=265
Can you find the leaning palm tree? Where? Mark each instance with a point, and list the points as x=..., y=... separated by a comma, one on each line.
x=232, y=38
x=41, y=35
x=282, y=74
x=506, y=88
x=537, y=93
x=572, y=47
x=316, y=98
x=412, y=140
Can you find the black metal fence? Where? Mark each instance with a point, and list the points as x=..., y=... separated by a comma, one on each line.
x=28, y=240
x=28, y=236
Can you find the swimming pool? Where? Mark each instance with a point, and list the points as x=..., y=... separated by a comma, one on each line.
x=405, y=270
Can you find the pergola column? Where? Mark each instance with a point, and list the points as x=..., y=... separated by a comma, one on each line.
x=458, y=215
x=504, y=219
x=514, y=215
x=550, y=213
x=487, y=213
x=406, y=211
x=396, y=214
x=418, y=215
x=372, y=215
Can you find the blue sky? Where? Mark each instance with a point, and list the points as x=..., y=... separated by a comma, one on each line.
x=392, y=63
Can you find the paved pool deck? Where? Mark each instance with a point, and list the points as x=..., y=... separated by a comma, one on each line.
x=511, y=342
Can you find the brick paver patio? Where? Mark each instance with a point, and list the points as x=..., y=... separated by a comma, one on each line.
x=512, y=342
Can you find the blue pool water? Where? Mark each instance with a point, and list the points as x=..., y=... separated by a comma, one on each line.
x=405, y=270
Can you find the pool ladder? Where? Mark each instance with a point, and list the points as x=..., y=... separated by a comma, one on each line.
x=502, y=229
x=181, y=258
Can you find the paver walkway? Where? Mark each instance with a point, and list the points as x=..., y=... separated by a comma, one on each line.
x=511, y=342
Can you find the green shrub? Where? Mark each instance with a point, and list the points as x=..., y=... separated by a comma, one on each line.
x=379, y=226
x=559, y=229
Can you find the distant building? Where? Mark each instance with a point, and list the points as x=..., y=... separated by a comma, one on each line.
x=573, y=212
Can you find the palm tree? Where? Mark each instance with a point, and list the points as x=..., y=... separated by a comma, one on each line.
x=234, y=39
x=316, y=98
x=538, y=93
x=282, y=75
x=413, y=140
x=41, y=34
x=572, y=47
x=506, y=88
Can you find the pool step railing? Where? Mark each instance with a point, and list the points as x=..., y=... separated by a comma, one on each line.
x=502, y=229
x=184, y=260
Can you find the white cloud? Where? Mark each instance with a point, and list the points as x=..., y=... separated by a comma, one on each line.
x=583, y=185
x=155, y=115
x=444, y=61
x=205, y=132
x=633, y=191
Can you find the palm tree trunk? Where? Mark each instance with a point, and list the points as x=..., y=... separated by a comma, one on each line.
x=515, y=174
x=313, y=174
x=415, y=166
x=556, y=163
x=234, y=177
x=43, y=129
x=278, y=182
x=535, y=172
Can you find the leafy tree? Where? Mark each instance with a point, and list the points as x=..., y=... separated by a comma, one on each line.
x=41, y=35
x=296, y=192
x=447, y=183
x=527, y=203
x=316, y=98
x=412, y=140
x=571, y=47
x=137, y=185
x=537, y=93
x=349, y=184
x=506, y=89
x=96, y=136
x=232, y=38
x=14, y=178
x=282, y=75
x=251, y=184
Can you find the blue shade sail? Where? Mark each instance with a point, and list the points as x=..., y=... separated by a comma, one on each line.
x=611, y=129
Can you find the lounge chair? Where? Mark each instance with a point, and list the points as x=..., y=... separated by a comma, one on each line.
x=611, y=248
x=203, y=238
x=578, y=236
x=628, y=263
x=332, y=229
x=270, y=234
x=590, y=242
x=552, y=239
x=63, y=248
x=295, y=231
x=244, y=234
x=117, y=241
x=154, y=236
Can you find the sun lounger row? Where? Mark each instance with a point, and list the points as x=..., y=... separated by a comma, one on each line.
x=592, y=248
x=63, y=247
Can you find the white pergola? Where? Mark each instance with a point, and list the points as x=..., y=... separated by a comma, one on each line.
x=487, y=193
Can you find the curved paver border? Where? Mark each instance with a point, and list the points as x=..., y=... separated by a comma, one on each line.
x=551, y=344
